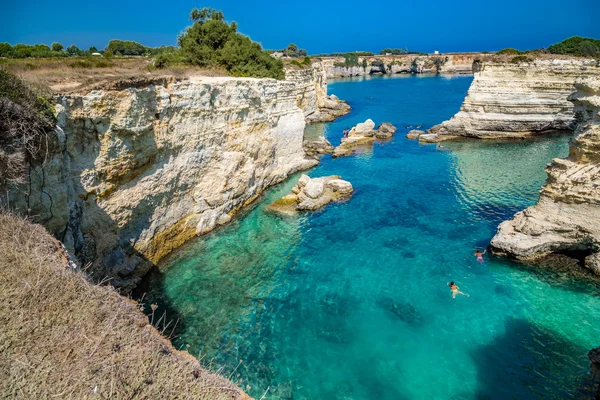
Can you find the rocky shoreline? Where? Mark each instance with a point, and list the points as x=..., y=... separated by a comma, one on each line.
x=566, y=218
x=361, y=135
x=517, y=100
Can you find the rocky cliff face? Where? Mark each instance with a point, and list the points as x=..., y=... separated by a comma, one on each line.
x=144, y=166
x=398, y=64
x=567, y=216
x=311, y=95
x=518, y=100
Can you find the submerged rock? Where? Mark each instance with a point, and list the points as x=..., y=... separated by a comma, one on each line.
x=313, y=194
x=363, y=134
x=403, y=311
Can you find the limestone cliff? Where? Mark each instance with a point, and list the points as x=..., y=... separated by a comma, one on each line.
x=311, y=96
x=145, y=165
x=518, y=100
x=567, y=216
x=459, y=63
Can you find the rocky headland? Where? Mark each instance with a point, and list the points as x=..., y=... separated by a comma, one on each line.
x=516, y=100
x=311, y=194
x=566, y=218
x=363, y=134
x=141, y=166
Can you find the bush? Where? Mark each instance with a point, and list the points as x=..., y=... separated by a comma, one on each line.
x=577, y=46
x=521, y=58
x=57, y=46
x=126, y=48
x=509, y=51
x=27, y=125
x=213, y=42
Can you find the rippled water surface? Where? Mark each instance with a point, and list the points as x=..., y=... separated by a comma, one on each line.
x=351, y=302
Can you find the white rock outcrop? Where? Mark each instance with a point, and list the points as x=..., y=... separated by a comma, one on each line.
x=144, y=166
x=363, y=135
x=311, y=194
x=516, y=100
x=567, y=217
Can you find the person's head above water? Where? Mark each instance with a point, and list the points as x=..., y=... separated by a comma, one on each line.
x=451, y=284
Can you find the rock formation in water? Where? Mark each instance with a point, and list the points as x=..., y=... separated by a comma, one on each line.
x=311, y=96
x=311, y=194
x=145, y=165
x=508, y=100
x=316, y=148
x=566, y=218
x=363, y=134
x=414, y=134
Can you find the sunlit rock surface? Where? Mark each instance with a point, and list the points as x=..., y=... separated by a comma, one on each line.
x=508, y=100
x=567, y=216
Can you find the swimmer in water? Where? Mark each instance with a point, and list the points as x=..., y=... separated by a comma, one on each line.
x=479, y=255
x=454, y=290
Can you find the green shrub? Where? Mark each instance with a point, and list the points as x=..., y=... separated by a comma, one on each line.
x=509, y=51
x=520, y=59
x=577, y=46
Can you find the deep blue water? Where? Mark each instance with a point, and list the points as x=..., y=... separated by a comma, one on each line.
x=351, y=302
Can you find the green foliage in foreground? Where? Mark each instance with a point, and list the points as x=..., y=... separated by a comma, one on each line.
x=212, y=42
x=577, y=46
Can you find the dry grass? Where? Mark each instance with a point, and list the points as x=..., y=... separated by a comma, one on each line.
x=64, y=75
x=64, y=338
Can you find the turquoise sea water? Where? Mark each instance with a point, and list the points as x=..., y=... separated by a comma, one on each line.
x=351, y=302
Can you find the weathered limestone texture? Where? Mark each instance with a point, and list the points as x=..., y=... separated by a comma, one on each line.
x=567, y=216
x=363, y=134
x=316, y=148
x=508, y=100
x=145, y=166
x=414, y=134
x=311, y=194
x=311, y=96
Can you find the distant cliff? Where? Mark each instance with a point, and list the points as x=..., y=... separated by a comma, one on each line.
x=519, y=99
x=144, y=165
x=460, y=63
x=566, y=218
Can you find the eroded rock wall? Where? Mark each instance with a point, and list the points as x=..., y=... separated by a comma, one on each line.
x=567, y=216
x=516, y=100
x=143, y=167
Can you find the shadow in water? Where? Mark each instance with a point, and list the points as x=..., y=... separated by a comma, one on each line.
x=529, y=362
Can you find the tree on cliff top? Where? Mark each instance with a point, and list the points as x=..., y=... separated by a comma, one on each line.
x=211, y=41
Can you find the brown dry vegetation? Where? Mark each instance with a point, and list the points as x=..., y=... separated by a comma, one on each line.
x=64, y=75
x=62, y=337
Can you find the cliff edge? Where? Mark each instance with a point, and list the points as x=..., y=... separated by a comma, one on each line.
x=515, y=100
x=63, y=337
x=567, y=217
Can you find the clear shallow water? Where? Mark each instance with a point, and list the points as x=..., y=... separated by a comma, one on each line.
x=351, y=302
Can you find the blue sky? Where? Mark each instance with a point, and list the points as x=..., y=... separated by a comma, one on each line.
x=317, y=25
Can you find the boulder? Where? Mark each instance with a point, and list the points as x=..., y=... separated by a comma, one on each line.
x=363, y=129
x=312, y=194
x=385, y=131
x=414, y=134
x=314, y=188
x=429, y=138
x=334, y=97
x=317, y=147
x=363, y=134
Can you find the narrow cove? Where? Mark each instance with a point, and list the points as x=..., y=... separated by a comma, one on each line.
x=351, y=302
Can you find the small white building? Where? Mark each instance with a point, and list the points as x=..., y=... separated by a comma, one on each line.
x=436, y=52
x=96, y=54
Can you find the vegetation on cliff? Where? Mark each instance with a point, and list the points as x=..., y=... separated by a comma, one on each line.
x=577, y=46
x=63, y=337
x=27, y=126
x=211, y=42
